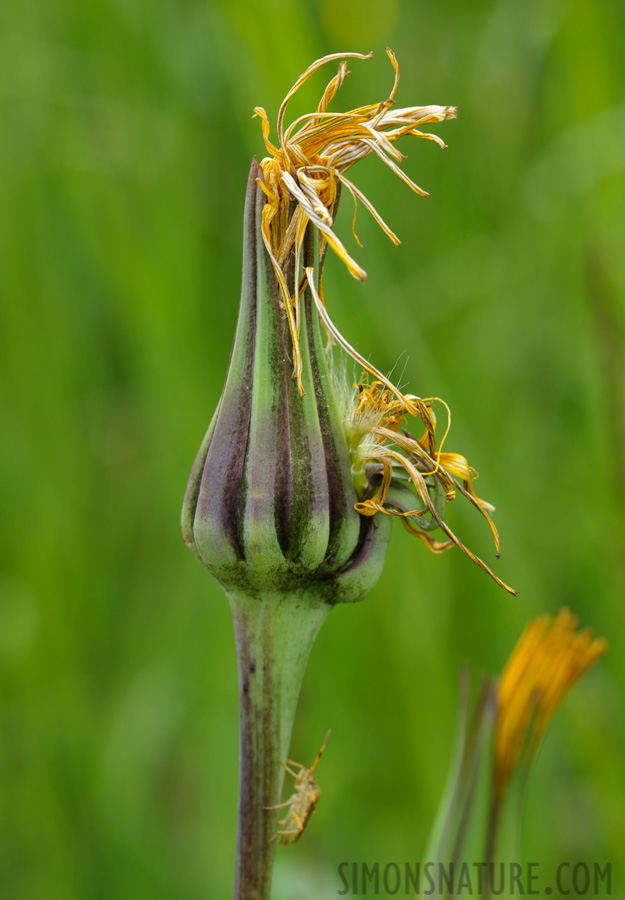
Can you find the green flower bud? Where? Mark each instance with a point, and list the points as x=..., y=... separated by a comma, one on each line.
x=270, y=501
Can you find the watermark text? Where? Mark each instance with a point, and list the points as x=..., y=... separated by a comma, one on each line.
x=431, y=879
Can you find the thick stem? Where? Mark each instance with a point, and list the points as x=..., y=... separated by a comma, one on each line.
x=274, y=635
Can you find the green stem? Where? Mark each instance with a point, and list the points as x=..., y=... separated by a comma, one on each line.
x=274, y=635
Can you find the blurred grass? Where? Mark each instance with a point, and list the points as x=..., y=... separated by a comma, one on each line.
x=125, y=147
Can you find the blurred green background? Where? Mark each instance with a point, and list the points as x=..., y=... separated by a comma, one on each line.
x=126, y=142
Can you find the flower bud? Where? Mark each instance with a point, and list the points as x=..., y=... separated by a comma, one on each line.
x=270, y=500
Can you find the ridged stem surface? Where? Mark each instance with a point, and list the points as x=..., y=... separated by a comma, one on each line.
x=274, y=635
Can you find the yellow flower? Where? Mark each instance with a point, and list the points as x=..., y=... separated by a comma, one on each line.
x=547, y=661
x=303, y=175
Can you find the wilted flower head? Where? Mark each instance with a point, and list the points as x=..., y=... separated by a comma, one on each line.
x=302, y=179
x=550, y=657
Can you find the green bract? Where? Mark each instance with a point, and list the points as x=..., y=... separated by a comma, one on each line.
x=270, y=501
